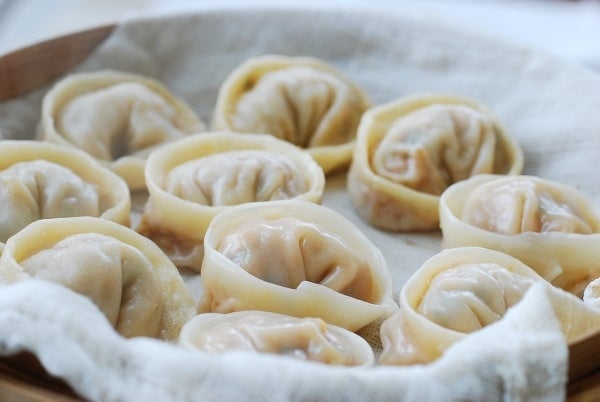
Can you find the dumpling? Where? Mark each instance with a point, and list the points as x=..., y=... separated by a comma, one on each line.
x=40, y=180
x=297, y=99
x=193, y=179
x=116, y=117
x=127, y=276
x=462, y=290
x=410, y=150
x=551, y=227
x=297, y=258
x=264, y=332
x=471, y=296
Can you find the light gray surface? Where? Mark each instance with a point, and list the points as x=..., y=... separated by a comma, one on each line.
x=566, y=28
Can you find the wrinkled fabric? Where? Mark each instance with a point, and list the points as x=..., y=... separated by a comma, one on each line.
x=526, y=347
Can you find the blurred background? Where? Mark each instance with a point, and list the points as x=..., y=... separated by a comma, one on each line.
x=569, y=29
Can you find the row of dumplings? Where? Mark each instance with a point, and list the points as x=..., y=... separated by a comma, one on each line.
x=118, y=118
x=402, y=156
x=282, y=260
x=289, y=257
x=343, y=286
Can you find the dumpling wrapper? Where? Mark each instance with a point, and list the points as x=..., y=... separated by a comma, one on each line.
x=264, y=332
x=132, y=282
x=551, y=227
x=192, y=180
x=301, y=100
x=40, y=180
x=116, y=117
x=410, y=150
x=459, y=291
x=297, y=258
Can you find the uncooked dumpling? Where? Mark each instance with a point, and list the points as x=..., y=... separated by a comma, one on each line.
x=127, y=276
x=118, y=118
x=297, y=99
x=193, y=179
x=551, y=227
x=471, y=296
x=297, y=258
x=39, y=180
x=409, y=151
x=264, y=332
x=462, y=290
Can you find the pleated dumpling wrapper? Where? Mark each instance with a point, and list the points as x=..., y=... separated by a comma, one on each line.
x=191, y=180
x=116, y=117
x=40, y=180
x=297, y=258
x=310, y=339
x=301, y=100
x=551, y=227
x=408, y=151
x=461, y=290
x=128, y=277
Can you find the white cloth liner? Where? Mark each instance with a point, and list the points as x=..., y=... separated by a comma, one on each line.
x=549, y=105
x=521, y=357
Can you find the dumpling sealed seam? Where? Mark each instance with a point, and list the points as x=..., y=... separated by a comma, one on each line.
x=410, y=150
x=116, y=117
x=551, y=227
x=40, y=180
x=192, y=180
x=301, y=100
x=309, y=339
x=126, y=275
x=459, y=291
x=297, y=258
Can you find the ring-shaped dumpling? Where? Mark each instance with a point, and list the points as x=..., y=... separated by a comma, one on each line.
x=127, y=276
x=116, y=117
x=40, y=180
x=191, y=180
x=461, y=290
x=297, y=258
x=551, y=227
x=310, y=339
x=408, y=151
x=301, y=100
